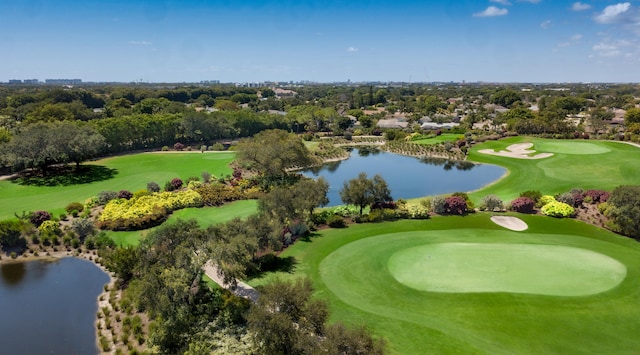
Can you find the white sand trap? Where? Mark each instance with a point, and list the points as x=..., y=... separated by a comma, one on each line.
x=513, y=223
x=519, y=151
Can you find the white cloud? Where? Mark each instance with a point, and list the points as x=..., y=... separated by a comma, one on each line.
x=352, y=49
x=578, y=6
x=614, y=48
x=546, y=24
x=140, y=43
x=501, y=2
x=491, y=11
x=531, y=1
x=614, y=13
x=576, y=37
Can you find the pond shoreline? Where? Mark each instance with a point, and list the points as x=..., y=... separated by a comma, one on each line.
x=56, y=255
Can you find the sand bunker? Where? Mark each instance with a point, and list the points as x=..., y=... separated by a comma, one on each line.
x=513, y=223
x=519, y=151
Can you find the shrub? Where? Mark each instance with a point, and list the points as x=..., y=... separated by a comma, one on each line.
x=567, y=198
x=217, y=147
x=165, y=148
x=77, y=206
x=39, y=217
x=83, y=227
x=439, y=205
x=49, y=228
x=206, y=177
x=456, y=205
x=534, y=195
x=492, y=202
x=140, y=193
x=382, y=214
x=10, y=231
x=153, y=186
x=125, y=194
x=191, y=178
x=523, y=205
x=105, y=196
x=546, y=199
x=336, y=221
x=597, y=196
x=176, y=183
x=63, y=216
x=557, y=209
x=194, y=184
x=178, y=146
x=412, y=211
x=465, y=196
x=218, y=194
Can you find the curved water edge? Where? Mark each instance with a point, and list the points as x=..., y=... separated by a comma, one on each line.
x=51, y=299
x=407, y=176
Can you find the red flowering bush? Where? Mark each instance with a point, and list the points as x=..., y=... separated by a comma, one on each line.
x=178, y=146
x=523, y=205
x=597, y=196
x=456, y=205
x=125, y=194
x=39, y=217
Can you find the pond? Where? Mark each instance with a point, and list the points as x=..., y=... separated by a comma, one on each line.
x=407, y=177
x=49, y=307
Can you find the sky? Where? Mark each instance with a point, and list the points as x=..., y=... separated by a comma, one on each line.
x=321, y=41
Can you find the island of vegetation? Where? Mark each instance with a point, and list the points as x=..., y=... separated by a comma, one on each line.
x=189, y=196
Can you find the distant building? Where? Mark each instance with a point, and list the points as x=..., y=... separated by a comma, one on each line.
x=280, y=93
x=63, y=81
x=31, y=81
x=15, y=81
x=392, y=123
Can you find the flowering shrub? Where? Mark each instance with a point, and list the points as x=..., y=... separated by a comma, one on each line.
x=218, y=194
x=125, y=194
x=412, y=211
x=597, y=196
x=439, y=205
x=557, y=209
x=49, y=228
x=522, y=205
x=39, y=217
x=194, y=184
x=546, y=199
x=456, y=205
x=178, y=146
x=176, y=183
x=146, y=210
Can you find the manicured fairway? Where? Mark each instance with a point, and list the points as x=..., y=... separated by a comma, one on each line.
x=586, y=301
x=445, y=137
x=575, y=163
x=133, y=172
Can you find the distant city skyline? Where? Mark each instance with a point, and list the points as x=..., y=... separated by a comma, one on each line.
x=537, y=41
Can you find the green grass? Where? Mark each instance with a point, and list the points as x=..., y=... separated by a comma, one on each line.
x=445, y=137
x=133, y=172
x=205, y=216
x=350, y=269
x=584, y=164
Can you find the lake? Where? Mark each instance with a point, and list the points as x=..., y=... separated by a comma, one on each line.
x=49, y=307
x=407, y=177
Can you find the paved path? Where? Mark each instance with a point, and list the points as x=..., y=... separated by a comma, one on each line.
x=241, y=290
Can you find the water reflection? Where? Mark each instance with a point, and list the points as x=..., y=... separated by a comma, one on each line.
x=12, y=273
x=407, y=177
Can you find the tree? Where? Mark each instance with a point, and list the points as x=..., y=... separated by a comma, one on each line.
x=625, y=212
x=505, y=97
x=363, y=192
x=632, y=116
x=272, y=152
x=40, y=145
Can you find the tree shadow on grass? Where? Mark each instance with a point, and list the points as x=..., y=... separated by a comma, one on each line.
x=66, y=176
x=273, y=263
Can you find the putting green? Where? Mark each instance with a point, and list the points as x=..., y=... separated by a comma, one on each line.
x=571, y=147
x=515, y=268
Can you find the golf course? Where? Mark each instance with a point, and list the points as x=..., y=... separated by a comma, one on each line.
x=456, y=284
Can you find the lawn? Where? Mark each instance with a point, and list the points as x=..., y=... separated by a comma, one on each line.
x=206, y=216
x=132, y=172
x=473, y=304
x=445, y=137
x=585, y=164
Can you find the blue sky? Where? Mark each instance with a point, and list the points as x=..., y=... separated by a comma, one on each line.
x=360, y=40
